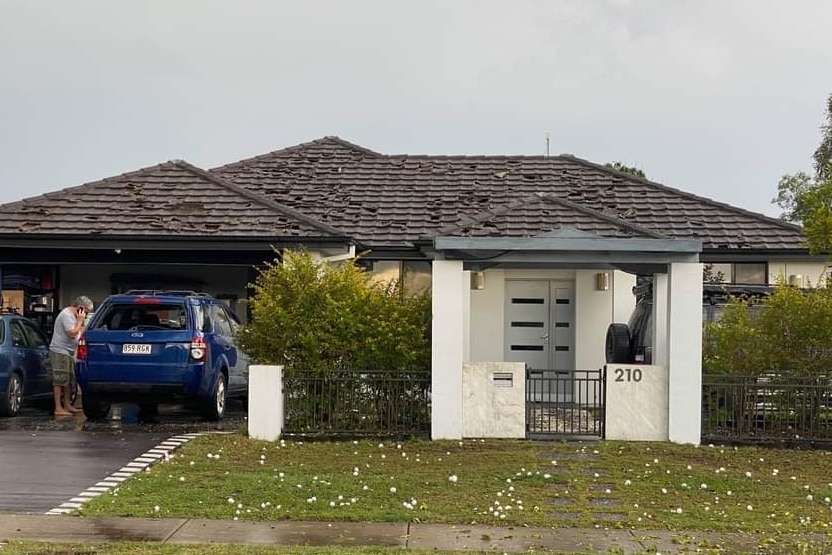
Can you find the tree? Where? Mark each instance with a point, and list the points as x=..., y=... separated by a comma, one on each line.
x=623, y=168
x=823, y=154
x=807, y=200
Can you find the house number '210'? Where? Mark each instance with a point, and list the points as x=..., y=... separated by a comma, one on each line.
x=628, y=374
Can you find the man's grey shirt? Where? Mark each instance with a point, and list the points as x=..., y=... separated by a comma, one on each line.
x=62, y=342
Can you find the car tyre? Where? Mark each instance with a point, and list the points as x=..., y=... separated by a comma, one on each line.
x=95, y=408
x=618, y=344
x=148, y=412
x=12, y=398
x=214, y=408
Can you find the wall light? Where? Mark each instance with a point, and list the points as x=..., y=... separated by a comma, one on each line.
x=477, y=281
x=117, y=251
x=602, y=281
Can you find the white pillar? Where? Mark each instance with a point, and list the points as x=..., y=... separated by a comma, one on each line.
x=684, y=354
x=265, y=402
x=448, y=290
x=660, y=301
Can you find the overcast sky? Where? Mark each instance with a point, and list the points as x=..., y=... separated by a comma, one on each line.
x=716, y=97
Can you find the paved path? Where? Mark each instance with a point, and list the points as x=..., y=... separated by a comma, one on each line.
x=405, y=536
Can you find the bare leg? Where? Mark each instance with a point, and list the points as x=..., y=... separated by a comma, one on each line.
x=57, y=391
x=68, y=406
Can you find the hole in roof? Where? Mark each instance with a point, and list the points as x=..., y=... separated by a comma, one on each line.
x=531, y=176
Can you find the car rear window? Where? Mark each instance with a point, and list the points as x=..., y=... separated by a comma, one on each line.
x=166, y=316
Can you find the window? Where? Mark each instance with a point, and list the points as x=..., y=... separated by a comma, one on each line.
x=220, y=321
x=754, y=272
x=18, y=335
x=737, y=272
x=36, y=337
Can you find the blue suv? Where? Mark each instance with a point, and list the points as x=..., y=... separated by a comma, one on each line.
x=148, y=347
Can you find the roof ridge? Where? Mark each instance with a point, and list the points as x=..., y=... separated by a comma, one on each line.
x=485, y=215
x=242, y=191
x=620, y=222
x=698, y=198
x=298, y=147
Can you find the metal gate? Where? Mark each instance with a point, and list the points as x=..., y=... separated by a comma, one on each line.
x=549, y=416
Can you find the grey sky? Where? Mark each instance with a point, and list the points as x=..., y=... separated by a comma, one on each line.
x=716, y=97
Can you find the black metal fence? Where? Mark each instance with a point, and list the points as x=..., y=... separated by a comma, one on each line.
x=766, y=408
x=357, y=403
x=565, y=403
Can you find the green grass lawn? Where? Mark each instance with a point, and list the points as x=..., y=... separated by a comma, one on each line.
x=517, y=483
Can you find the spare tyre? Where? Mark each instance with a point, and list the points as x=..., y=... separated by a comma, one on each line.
x=618, y=344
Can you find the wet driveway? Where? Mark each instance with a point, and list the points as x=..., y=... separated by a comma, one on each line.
x=44, y=462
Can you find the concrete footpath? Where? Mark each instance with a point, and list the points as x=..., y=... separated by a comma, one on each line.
x=66, y=529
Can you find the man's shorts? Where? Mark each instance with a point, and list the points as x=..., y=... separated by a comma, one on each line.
x=63, y=369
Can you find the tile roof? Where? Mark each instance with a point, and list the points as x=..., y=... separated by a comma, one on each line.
x=394, y=200
x=167, y=200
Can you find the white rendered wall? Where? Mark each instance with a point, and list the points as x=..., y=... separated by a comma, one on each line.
x=622, y=296
x=487, y=311
x=684, y=334
x=660, y=319
x=593, y=311
x=494, y=399
x=448, y=290
x=810, y=272
x=265, y=402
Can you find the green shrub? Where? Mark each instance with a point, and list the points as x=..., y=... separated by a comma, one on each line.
x=317, y=317
x=788, y=333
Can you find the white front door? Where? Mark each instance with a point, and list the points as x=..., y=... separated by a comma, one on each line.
x=540, y=331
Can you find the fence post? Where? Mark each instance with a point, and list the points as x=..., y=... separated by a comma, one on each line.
x=265, y=402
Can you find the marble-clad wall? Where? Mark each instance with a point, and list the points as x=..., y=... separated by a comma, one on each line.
x=493, y=400
x=637, y=403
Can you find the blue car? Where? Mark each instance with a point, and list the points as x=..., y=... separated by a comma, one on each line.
x=25, y=370
x=151, y=347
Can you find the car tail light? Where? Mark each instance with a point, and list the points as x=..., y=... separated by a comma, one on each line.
x=81, y=353
x=199, y=349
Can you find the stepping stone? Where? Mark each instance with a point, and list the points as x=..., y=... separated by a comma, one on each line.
x=604, y=502
x=562, y=501
x=556, y=470
x=591, y=471
x=564, y=516
x=609, y=517
x=601, y=487
x=569, y=456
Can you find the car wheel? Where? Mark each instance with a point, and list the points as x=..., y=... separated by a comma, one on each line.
x=12, y=398
x=618, y=344
x=148, y=412
x=214, y=407
x=95, y=408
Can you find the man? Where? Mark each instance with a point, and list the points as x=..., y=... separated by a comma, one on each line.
x=68, y=328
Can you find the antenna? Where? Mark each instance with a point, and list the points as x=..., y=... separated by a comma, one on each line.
x=547, y=144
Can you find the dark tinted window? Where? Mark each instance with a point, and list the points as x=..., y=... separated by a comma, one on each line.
x=166, y=316
x=18, y=335
x=203, y=319
x=36, y=337
x=222, y=326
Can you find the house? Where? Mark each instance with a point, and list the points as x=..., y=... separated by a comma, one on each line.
x=529, y=257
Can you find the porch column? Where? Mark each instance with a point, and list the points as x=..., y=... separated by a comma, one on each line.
x=448, y=289
x=660, y=300
x=684, y=352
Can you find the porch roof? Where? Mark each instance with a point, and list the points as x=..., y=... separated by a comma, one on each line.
x=568, y=248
